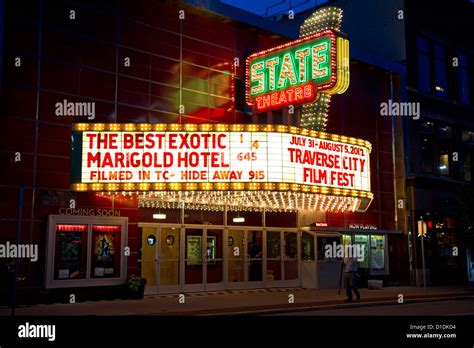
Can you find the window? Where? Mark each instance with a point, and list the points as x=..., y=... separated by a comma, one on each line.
x=468, y=151
x=273, y=245
x=463, y=79
x=322, y=242
x=290, y=240
x=363, y=241
x=423, y=65
x=468, y=136
x=444, y=132
x=443, y=157
x=447, y=240
x=427, y=126
x=373, y=246
x=307, y=247
x=427, y=154
x=377, y=253
x=440, y=70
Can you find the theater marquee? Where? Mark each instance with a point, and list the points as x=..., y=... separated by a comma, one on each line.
x=224, y=158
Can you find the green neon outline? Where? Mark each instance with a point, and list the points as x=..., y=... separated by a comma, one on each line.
x=309, y=66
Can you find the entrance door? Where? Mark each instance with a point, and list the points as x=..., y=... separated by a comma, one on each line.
x=160, y=248
x=195, y=254
x=282, y=258
x=149, y=259
x=168, y=259
x=274, y=271
x=290, y=258
x=245, y=259
x=236, y=272
x=308, y=262
x=214, y=265
x=254, y=259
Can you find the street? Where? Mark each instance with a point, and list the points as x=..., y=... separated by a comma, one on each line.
x=434, y=308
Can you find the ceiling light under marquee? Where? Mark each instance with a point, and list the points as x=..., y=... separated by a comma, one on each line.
x=159, y=216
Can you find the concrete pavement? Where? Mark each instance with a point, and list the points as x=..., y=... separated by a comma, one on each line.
x=242, y=301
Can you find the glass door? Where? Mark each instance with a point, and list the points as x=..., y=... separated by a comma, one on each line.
x=308, y=262
x=236, y=274
x=290, y=258
x=214, y=270
x=282, y=258
x=195, y=250
x=149, y=258
x=254, y=259
x=168, y=259
x=274, y=269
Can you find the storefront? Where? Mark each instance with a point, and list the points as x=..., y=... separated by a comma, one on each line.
x=374, y=253
x=212, y=257
x=176, y=257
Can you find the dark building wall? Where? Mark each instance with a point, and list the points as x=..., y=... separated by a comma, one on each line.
x=440, y=65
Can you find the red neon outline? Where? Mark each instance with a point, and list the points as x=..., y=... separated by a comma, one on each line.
x=302, y=101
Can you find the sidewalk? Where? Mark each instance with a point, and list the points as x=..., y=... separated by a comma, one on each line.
x=241, y=301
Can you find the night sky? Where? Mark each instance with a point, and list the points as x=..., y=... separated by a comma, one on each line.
x=259, y=7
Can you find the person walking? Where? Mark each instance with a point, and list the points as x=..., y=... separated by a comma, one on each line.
x=350, y=278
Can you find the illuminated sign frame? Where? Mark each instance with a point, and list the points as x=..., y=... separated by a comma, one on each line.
x=234, y=186
x=306, y=88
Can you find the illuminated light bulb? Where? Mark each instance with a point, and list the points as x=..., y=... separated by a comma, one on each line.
x=97, y=127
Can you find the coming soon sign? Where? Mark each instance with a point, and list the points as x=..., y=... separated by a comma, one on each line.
x=242, y=155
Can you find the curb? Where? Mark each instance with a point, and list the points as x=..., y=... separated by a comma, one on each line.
x=353, y=305
x=304, y=307
x=307, y=306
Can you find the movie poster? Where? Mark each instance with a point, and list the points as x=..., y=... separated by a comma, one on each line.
x=363, y=241
x=193, y=250
x=70, y=245
x=377, y=252
x=104, y=254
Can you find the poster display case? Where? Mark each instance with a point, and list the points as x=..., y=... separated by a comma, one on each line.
x=85, y=251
